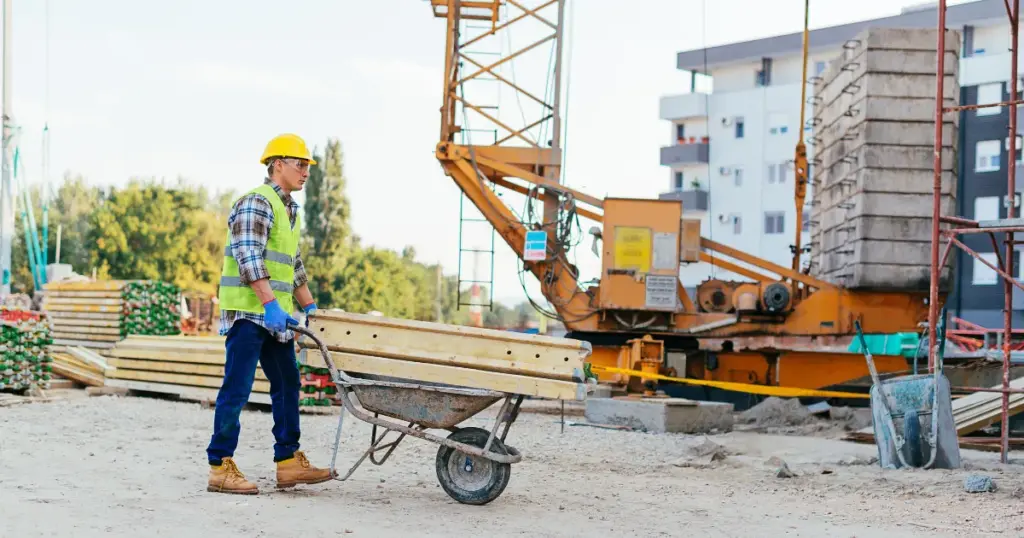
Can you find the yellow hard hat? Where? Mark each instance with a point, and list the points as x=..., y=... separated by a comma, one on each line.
x=287, y=145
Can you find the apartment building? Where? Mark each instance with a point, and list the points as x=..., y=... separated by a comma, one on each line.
x=730, y=150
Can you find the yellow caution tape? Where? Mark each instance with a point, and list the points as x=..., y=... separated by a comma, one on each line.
x=785, y=392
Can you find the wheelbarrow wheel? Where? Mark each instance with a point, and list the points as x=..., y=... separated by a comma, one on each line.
x=471, y=479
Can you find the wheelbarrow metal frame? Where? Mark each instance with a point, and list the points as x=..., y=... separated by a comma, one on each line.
x=348, y=384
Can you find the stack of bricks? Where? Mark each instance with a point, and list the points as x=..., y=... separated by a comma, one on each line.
x=872, y=175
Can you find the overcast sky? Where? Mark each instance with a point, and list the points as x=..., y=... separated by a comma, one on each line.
x=196, y=88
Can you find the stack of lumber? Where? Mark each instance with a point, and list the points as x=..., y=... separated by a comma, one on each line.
x=97, y=314
x=190, y=367
x=82, y=365
x=24, y=352
x=517, y=363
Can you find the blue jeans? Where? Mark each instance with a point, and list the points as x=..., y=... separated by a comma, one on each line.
x=247, y=343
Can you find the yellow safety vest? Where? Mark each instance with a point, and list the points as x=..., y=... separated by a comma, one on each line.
x=279, y=256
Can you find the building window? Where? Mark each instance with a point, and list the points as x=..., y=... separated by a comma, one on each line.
x=774, y=222
x=988, y=94
x=986, y=208
x=763, y=77
x=680, y=132
x=677, y=181
x=983, y=275
x=739, y=127
x=737, y=224
x=737, y=177
x=986, y=156
x=777, y=172
x=777, y=123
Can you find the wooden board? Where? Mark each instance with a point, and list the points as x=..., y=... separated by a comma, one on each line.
x=443, y=344
x=86, y=377
x=453, y=375
x=216, y=370
x=167, y=355
x=184, y=392
x=179, y=379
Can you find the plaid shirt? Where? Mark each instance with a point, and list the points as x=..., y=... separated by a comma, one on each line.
x=250, y=222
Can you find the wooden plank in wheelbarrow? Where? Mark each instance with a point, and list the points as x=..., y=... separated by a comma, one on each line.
x=439, y=343
x=452, y=375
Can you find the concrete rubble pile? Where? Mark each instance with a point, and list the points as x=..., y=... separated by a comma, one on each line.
x=872, y=170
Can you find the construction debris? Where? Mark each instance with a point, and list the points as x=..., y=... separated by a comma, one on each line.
x=777, y=412
x=979, y=483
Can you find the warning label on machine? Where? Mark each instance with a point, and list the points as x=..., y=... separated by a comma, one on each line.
x=661, y=292
x=633, y=248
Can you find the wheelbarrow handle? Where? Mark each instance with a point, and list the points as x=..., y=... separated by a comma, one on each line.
x=867, y=355
x=319, y=344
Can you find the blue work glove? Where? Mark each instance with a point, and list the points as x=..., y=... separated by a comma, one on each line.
x=276, y=318
x=309, y=309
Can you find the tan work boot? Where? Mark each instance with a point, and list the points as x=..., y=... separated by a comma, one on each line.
x=297, y=470
x=226, y=478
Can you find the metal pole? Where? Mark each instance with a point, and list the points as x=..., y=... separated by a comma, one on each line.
x=551, y=171
x=6, y=195
x=933, y=293
x=1008, y=261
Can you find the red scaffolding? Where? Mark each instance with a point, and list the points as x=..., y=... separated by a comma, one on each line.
x=1008, y=226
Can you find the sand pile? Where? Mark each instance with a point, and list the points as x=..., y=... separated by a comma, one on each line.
x=777, y=413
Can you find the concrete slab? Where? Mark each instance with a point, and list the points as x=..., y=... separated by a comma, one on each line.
x=661, y=415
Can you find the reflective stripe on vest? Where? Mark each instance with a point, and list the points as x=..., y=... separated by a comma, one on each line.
x=269, y=255
x=276, y=285
x=279, y=258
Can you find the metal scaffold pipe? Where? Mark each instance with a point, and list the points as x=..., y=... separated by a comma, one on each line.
x=6, y=192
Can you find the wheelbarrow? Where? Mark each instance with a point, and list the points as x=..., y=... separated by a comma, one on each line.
x=473, y=465
x=912, y=415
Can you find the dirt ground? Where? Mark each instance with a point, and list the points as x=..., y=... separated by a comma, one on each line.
x=109, y=466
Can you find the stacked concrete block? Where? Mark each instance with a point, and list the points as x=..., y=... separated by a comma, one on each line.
x=872, y=175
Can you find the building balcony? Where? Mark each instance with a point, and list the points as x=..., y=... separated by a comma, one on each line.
x=695, y=152
x=683, y=106
x=692, y=200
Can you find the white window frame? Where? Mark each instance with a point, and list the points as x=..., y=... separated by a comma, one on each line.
x=987, y=207
x=777, y=217
x=989, y=93
x=990, y=277
x=984, y=151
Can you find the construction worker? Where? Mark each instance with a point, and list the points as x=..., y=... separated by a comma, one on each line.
x=262, y=272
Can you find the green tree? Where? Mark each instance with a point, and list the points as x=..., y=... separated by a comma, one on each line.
x=327, y=240
x=149, y=230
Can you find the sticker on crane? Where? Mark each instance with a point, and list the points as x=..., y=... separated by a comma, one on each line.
x=535, y=248
x=633, y=248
